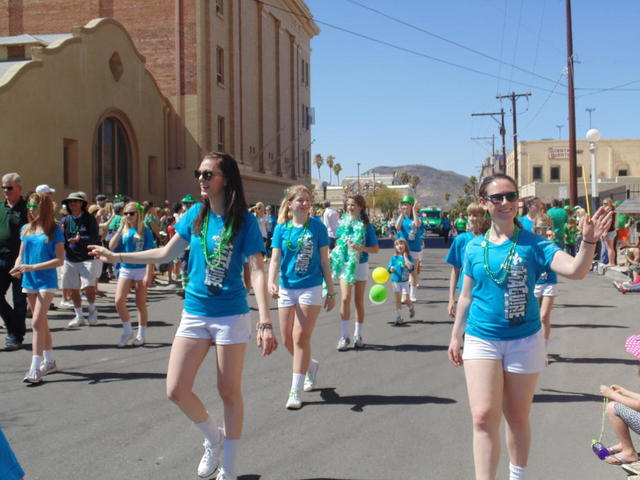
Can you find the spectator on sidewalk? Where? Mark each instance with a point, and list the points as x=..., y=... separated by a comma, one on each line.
x=331, y=218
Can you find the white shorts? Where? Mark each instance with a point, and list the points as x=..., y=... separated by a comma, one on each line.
x=136, y=274
x=39, y=290
x=288, y=297
x=546, y=290
x=97, y=271
x=401, y=287
x=77, y=275
x=221, y=330
x=362, y=272
x=526, y=355
x=417, y=256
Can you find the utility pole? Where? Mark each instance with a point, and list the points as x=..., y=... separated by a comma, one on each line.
x=573, y=158
x=590, y=111
x=559, y=127
x=514, y=96
x=503, y=131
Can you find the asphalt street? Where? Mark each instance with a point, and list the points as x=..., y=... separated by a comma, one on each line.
x=394, y=410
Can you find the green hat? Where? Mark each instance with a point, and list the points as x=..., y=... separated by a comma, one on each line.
x=188, y=198
x=568, y=208
x=408, y=199
x=617, y=203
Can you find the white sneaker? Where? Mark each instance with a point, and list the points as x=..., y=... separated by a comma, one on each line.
x=357, y=341
x=398, y=320
x=125, y=338
x=78, y=321
x=222, y=475
x=413, y=299
x=93, y=317
x=33, y=376
x=210, y=458
x=343, y=343
x=412, y=312
x=65, y=304
x=311, y=376
x=48, y=367
x=294, y=402
x=138, y=341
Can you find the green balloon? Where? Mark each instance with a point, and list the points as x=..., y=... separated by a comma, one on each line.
x=378, y=294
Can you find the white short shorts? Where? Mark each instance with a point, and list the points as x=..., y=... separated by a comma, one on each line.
x=136, y=274
x=39, y=290
x=221, y=330
x=362, y=272
x=97, y=270
x=401, y=287
x=526, y=355
x=77, y=275
x=288, y=297
x=546, y=290
x=417, y=256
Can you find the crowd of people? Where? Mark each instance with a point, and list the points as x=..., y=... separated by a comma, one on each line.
x=502, y=285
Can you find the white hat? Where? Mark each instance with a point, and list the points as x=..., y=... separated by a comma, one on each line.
x=44, y=188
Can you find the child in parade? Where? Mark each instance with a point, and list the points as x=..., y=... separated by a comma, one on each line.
x=400, y=266
x=409, y=227
x=570, y=236
x=546, y=288
x=41, y=251
x=477, y=226
x=221, y=233
x=300, y=254
x=499, y=317
x=356, y=239
x=133, y=236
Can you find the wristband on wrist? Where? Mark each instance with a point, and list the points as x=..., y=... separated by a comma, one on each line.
x=121, y=259
x=260, y=327
x=590, y=243
x=331, y=295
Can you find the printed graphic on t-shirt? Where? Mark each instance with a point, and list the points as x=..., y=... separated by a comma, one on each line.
x=215, y=275
x=515, y=297
x=305, y=254
x=544, y=276
x=139, y=243
x=412, y=232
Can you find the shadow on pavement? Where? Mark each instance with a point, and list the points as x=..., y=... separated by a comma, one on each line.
x=557, y=358
x=585, y=325
x=565, y=397
x=581, y=305
x=358, y=402
x=102, y=346
x=404, y=348
x=103, y=377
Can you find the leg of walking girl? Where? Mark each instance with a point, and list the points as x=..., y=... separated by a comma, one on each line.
x=143, y=314
x=345, y=314
x=546, y=304
x=39, y=305
x=122, y=290
x=361, y=285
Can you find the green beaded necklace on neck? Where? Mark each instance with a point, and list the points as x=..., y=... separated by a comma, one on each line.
x=300, y=240
x=500, y=276
x=214, y=258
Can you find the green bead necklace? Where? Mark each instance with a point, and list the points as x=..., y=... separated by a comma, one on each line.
x=300, y=240
x=214, y=258
x=500, y=276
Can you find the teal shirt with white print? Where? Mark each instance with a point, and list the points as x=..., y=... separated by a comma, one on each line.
x=131, y=242
x=508, y=311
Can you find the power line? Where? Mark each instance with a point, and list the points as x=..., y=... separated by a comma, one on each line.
x=618, y=87
x=544, y=103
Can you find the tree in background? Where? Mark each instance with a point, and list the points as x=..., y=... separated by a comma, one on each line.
x=414, y=181
x=405, y=178
x=330, y=161
x=337, y=168
x=386, y=199
x=318, y=161
x=469, y=194
x=447, y=196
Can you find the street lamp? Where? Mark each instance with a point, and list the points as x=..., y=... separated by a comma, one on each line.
x=358, y=177
x=593, y=136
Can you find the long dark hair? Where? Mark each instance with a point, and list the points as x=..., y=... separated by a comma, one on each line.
x=362, y=203
x=482, y=189
x=235, y=205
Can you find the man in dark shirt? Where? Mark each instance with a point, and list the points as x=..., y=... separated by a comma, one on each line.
x=80, y=270
x=13, y=215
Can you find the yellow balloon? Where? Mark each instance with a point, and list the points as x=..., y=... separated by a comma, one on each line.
x=380, y=275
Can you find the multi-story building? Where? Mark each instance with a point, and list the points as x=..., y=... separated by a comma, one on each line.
x=235, y=74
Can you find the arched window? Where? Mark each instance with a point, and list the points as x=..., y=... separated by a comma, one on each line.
x=112, y=158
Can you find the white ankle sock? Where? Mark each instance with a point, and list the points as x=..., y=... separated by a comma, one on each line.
x=126, y=326
x=210, y=430
x=412, y=291
x=92, y=307
x=297, y=382
x=78, y=311
x=36, y=360
x=141, y=329
x=358, y=330
x=398, y=312
x=344, y=324
x=48, y=355
x=517, y=473
x=229, y=456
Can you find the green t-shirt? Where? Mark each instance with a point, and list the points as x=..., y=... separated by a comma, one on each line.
x=622, y=220
x=115, y=223
x=570, y=234
x=559, y=218
x=461, y=224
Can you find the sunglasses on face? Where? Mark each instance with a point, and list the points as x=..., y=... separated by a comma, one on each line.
x=32, y=206
x=206, y=174
x=130, y=214
x=8, y=188
x=500, y=197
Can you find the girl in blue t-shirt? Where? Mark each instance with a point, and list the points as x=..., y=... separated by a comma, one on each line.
x=477, y=225
x=300, y=254
x=409, y=226
x=400, y=267
x=41, y=251
x=499, y=317
x=221, y=233
x=546, y=288
x=356, y=239
x=133, y=236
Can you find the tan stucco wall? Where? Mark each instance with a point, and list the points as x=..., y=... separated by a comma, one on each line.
x=63, y=93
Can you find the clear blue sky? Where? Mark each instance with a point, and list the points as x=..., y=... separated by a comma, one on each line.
x=377, y=105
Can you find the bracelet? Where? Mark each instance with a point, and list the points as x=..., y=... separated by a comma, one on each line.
x=331, y=295
x=121, y=259
x=260, y=327
x=590, y=243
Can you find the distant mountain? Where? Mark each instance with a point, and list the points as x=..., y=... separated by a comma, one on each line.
x=433, y=184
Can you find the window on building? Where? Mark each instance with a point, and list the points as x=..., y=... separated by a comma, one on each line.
x=302, y=71
x=623, y=173
x=16, y=52
x=579, y=171
x=112, y=158
x=220, y=65
x=555, y=174
x=221, y=137
x=70, y=162
x=537, y=173
x=220, y=7
x=306, y=73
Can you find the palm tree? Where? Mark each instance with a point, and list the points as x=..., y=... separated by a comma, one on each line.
x=329, y=162
x=337, y=168
x=414, y=181
x=318, y=161
x=447, y=196
x=405, y=178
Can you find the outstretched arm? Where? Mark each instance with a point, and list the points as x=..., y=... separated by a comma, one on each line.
x=164, y=254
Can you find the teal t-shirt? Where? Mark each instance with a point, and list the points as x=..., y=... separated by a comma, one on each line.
x=300, y=253
x=412, y=234
x=129, y=243
x=401, y=271
x=37, y=249
x=455, y=256
x=509, y=311
x=218, y=290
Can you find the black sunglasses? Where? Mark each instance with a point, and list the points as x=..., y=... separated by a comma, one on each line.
x=206, y=174
x=131, y=214
x=499, y=197
x=8, y=188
